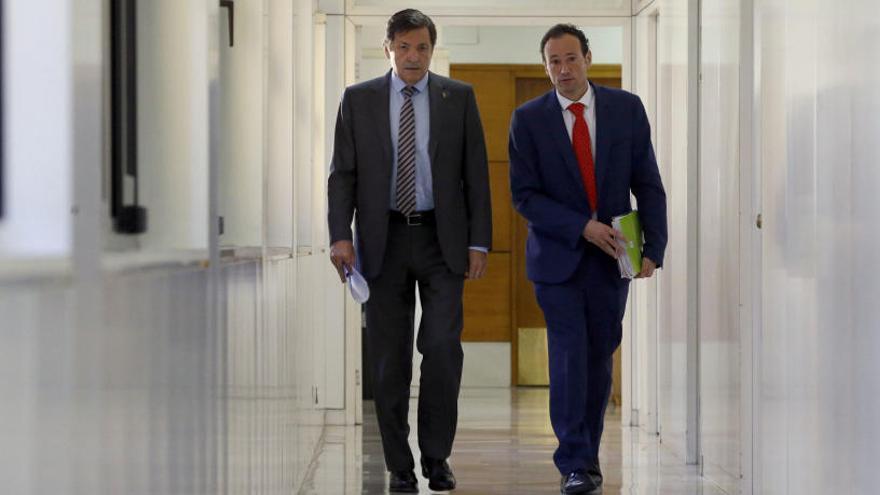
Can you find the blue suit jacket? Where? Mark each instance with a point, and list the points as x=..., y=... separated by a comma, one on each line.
x=548, y=191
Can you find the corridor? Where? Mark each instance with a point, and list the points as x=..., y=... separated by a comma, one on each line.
x=171, y=323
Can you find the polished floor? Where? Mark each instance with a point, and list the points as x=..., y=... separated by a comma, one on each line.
x=504, y=445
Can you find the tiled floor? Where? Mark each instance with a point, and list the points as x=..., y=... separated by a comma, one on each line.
x=504, y=445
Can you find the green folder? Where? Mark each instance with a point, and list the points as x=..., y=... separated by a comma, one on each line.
x=631, y=264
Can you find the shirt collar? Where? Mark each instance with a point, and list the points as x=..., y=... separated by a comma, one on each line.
x=587, y=99
x=397, y=84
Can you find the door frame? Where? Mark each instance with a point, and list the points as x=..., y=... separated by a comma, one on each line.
x=693, y=448
x=751, y=264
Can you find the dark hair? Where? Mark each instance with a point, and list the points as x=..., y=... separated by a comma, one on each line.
x=561, y=30
x=408, y=20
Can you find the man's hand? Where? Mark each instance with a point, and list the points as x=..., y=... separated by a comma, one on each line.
x=342, y=255
x=648, y=267
x=477, y=262
x=605, y=237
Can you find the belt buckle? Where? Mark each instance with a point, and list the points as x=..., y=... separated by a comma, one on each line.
x=414, y=220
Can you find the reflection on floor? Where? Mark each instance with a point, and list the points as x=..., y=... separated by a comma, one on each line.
x=504, y=445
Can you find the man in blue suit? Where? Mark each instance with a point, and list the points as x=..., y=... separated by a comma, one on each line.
x=576, y=154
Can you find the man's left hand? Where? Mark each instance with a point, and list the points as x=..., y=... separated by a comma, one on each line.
x=477, y=262
x=648, y=267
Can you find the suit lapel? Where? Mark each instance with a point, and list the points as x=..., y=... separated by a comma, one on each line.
x=563, y=142
x=603, y=140
x=382, y=120
x=437, y=93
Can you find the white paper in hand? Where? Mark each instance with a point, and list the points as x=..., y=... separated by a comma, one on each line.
x=357, y=285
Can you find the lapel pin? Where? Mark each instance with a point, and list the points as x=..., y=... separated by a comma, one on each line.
x=445, y=94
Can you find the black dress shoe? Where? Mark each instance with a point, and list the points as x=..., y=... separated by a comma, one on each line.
x=595, y=472
x=403, y=482
x=439, y=475
x=577, y=482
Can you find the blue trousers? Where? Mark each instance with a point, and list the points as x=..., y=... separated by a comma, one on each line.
x=584, y=327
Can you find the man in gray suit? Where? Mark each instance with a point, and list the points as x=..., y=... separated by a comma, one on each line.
x=409, y=163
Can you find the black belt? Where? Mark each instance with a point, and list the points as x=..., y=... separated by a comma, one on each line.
x=415, y=219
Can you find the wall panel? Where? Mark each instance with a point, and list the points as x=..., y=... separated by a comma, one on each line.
x=818, y=125
x=719, y=329
x=661, y=49
x=149, y=398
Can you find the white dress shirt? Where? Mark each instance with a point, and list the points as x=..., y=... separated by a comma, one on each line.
x=589, y=101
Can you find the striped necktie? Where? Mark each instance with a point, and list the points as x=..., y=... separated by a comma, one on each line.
x=406, y=155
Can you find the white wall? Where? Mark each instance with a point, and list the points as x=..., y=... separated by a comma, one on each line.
x=242, y=147
x=818, y=125
x=719, y=244
x=159, y=394
x=304, y=121
x=137, y=373
x=664, y=305
x=659, y=327
x=813, y=176
x=470, y=44
x=279, y=125
x=343, y=360
x=172, y=123
x=492, y=7
x=37, y=141
x=520, y=44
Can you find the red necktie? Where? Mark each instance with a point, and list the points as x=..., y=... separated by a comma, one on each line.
x=583, y=150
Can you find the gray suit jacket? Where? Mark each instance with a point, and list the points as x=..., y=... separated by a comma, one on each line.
x=360, y=171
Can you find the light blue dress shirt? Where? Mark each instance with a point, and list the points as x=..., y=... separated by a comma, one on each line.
x=422, y=110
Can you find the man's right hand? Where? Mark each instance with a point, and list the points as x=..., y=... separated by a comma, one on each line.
x=605, y=237
x=342, y=255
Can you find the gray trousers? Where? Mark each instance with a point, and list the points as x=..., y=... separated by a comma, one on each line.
x=412, y=256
